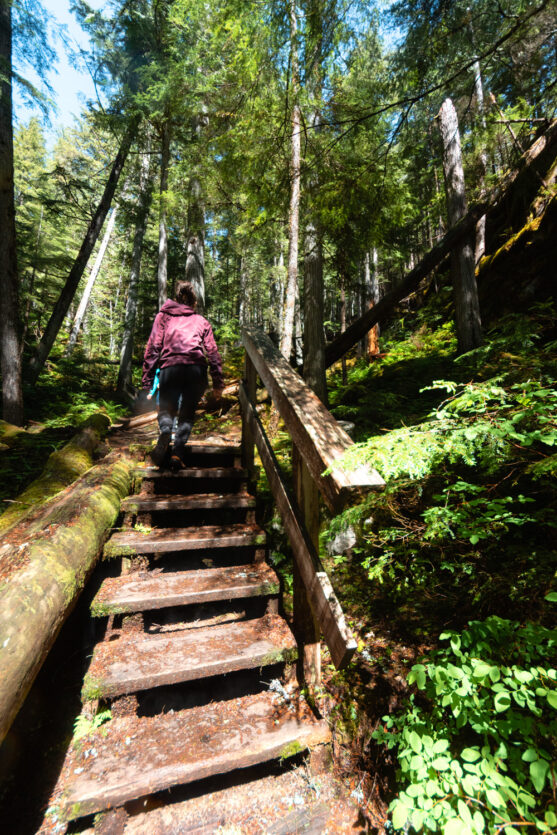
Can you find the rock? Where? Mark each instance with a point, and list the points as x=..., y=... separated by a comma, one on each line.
x=343, y=541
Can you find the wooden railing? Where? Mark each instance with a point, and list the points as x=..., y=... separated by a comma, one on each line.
x=317, y=442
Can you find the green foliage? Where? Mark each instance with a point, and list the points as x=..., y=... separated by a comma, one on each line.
x=83, y=726
x=476, y=744
x=463, y=479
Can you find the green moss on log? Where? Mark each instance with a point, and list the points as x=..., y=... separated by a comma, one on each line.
x=112, y=551
x=9, y=433
x=100, y=609
x=291, y=750
x=40, y=594
x=279, y=655
x=62, y=468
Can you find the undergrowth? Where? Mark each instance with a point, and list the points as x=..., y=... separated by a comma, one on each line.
x=463, y=535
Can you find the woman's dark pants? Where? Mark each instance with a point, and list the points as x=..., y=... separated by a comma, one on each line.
x=181, y=389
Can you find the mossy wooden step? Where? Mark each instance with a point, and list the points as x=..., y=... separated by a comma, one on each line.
x=146, y=590
x=165, y=540
x=141, y=661
x=134, y=757
x=202, y=501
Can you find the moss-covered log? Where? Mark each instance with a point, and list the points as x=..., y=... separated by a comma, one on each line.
x=53, y=566
x=63, y=467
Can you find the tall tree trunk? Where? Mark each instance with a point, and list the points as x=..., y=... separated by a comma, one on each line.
x=480, y=109
x=195, y=258
x=31, y=287
x=243, y=300
x=78, y=319
x=72, y=282
x=10, y=350
x=314, y=336
x=298, y=334
x=343, y=323
x=294, y=211
x=371, y=281
x=162, y=266
x=126, y=350
x=467, y=307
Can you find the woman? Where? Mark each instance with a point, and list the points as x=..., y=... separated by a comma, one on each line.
x=181, y=344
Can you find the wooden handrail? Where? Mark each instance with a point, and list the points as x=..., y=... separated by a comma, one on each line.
x=317, y=443
x=319, y=439
x=322, y=599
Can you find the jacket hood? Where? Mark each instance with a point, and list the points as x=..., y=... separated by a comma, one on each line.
x=173, y=308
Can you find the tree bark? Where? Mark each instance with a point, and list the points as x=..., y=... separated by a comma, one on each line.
x=481, y=224
x=126, y=349
x=162, y=265
x=372, y=297
x=467, y=306
x=314, y=336
x=195, y=258
x=343, y=324
x=93, y=230
x=78, y=319
x=480, y=109
x=294, y=211
x=10, y=341
x=243, y=300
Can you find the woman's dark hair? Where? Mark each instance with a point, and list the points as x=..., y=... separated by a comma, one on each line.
x=185, y=294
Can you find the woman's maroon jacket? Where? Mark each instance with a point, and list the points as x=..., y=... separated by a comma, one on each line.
x=180, y=336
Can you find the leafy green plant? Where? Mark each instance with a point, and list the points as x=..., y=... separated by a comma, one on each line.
x=83, y=726
x=476, y=744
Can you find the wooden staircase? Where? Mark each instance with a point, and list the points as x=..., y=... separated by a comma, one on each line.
x=195, y=600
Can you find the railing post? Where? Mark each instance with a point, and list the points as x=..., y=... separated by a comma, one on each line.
x=305, y=628
x=248, y=441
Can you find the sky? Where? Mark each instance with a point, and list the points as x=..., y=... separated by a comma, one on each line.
x=72, y=85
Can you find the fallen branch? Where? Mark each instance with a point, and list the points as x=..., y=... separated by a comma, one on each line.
x=357, y=330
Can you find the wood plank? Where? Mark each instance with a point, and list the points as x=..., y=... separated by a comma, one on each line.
x=317, y=435
x=323, y=601
x=213, y=449
x=163, y=540
x=175, y=501
x=135, y=757
x=139, y=661
x=146, y=590
x=153, y=473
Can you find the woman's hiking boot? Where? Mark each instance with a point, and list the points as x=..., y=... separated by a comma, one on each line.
x=158, y=454
x=176, y=464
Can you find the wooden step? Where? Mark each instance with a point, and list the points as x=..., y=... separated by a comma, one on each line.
x=154, y=474
x=139, y=661
x=134, y=757
x=213, y=449
x=147, y=590
x=143, y=591
x=164, y=540
x=200, y=501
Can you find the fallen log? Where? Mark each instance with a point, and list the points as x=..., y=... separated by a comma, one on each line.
x=503, y=193
x=41, y=579
x=62, y=468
